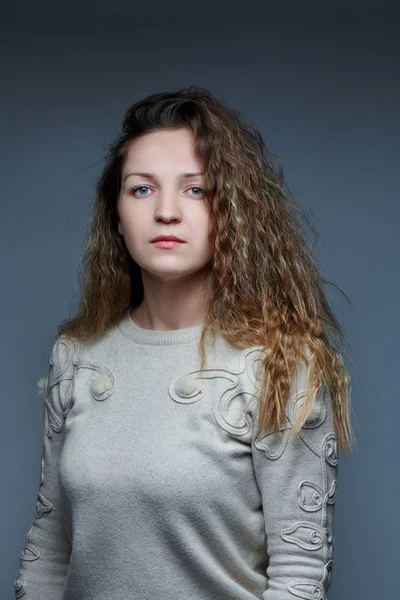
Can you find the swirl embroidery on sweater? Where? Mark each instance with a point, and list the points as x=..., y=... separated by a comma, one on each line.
x=41, y=471
x=56, y=407
x=320, y=499
x=19, y=586
x=315, y=417
x=101, y=386
x=29, y=552
x=312, y=498
x=331, y=450
x=59, y=371
x=311, y=495
x=42, y=506
x=274, y=443
x=188, y=388
x=309, y=590
x=321, y=535
x=327, y=579
x=305, y=535
x=306, y=589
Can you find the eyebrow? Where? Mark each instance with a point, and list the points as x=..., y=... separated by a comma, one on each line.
x=153, y=177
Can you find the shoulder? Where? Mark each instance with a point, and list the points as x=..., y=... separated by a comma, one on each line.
x=65, y=349
x=64, y=356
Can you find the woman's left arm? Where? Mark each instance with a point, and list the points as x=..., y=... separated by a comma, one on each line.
x=297, y=478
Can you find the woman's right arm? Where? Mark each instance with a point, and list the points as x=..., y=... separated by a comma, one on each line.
x=45, y=556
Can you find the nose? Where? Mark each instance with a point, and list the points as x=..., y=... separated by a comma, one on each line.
x=167, y=207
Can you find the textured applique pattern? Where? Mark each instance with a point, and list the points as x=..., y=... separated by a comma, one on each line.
x=313, y=497
x=19, y=586
x=57, y=404
x=102, y=386
x=189, y=387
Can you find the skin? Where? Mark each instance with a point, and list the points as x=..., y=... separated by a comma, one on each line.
x=167, y=204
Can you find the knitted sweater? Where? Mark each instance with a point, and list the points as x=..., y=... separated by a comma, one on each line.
x=155, y=484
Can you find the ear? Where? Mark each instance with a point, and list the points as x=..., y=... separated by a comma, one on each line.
x=119, y=228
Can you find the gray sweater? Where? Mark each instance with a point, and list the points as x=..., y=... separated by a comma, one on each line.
x=155, y=485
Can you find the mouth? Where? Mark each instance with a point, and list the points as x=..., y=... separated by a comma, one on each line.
x=167, y=238
x=167, y=243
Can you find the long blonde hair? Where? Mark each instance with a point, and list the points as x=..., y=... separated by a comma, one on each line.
x=263, y=287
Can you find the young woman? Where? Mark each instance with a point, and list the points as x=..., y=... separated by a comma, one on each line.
x=195, y=404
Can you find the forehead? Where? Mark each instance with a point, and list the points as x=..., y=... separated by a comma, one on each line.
x=159, y=150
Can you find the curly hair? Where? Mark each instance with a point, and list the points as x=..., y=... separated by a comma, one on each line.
x=263, y=289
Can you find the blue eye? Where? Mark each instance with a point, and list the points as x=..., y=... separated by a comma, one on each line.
x=145, y=187
x=196, y=188
x=139, y=187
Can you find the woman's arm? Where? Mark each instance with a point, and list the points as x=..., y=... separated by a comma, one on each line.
x=297, y=478
x=45, y=556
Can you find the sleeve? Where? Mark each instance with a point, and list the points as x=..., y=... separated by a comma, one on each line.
x=297, y=478
x=45, y=556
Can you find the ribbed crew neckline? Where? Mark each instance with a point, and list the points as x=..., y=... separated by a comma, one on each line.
x=158, y=337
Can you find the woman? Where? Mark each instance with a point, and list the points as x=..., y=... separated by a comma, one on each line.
x=171, y=470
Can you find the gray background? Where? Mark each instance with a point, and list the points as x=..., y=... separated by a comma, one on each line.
x=321, y=81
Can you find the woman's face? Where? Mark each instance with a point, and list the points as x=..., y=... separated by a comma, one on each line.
x=166, y=201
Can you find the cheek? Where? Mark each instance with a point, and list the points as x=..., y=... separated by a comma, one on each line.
x=211, y=231
x=207, y=229
x=129, y=221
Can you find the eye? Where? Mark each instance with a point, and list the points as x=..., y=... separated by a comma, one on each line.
x=139, y=187
x=196, y=188
x=145, y=187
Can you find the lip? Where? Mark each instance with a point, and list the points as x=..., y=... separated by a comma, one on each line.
x=167, y=238
x=167, y=244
